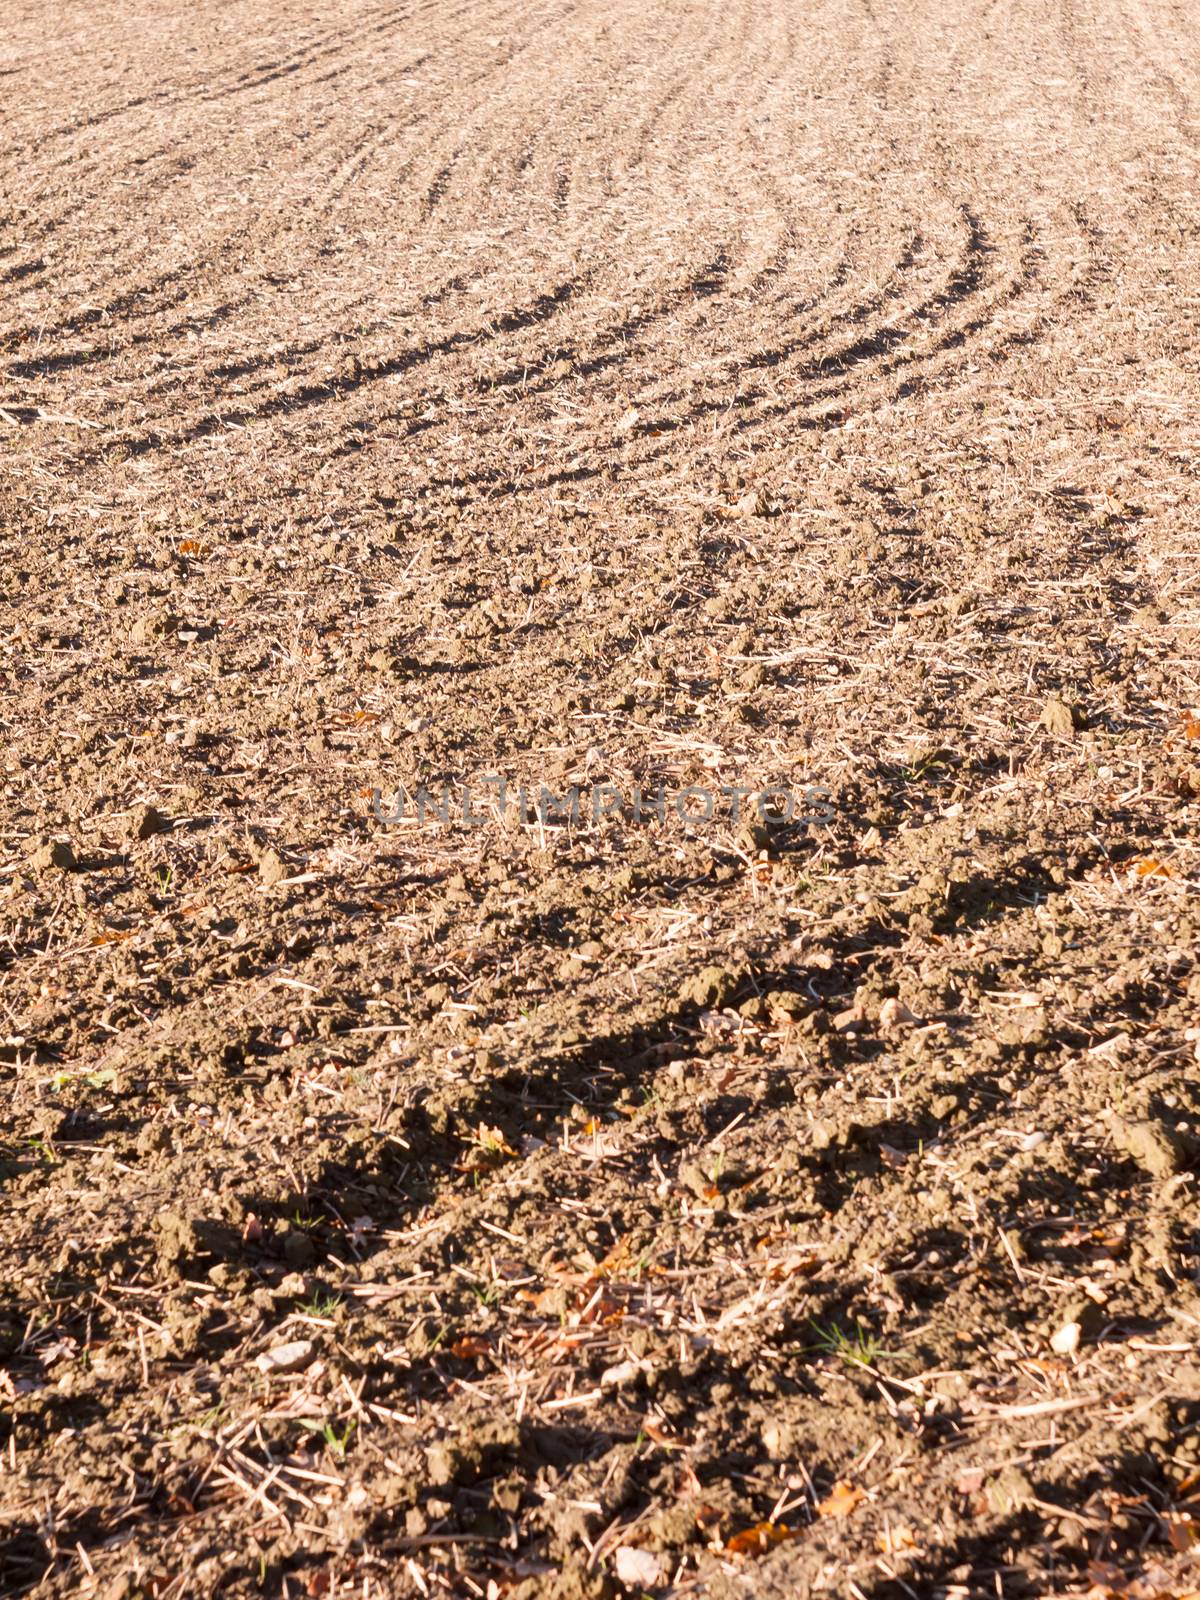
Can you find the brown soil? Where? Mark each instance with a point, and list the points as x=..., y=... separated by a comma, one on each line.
x=645, y=394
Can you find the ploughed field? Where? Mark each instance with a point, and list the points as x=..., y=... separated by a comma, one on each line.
x=621, y=1190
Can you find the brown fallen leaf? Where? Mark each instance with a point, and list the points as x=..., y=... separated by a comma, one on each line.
x=763, y=1536
x=800, y=1265
x=842, y=1500
x=894, y=1541
x=469, y=1347
x=1150, y=867
x=663, y=1440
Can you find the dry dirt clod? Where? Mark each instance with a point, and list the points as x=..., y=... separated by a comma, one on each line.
x=154, y=625
x=754, y=837
x=709, y=989
x=1060, y=718
x=146, y=821
x=53, y=855
x=1162, y=1151
x=1009, y=1492
x=271, y=867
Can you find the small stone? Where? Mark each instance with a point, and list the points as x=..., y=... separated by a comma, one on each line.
x=638, y=1569
x=895, y=1014
x=286, y=1357
x=779, y=1439
x=624, y=1373
x=1066, y=1341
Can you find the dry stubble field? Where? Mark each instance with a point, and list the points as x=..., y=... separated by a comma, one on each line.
x=583, y=391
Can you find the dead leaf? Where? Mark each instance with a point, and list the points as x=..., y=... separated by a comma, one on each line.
x=801, y=1264
x=763, y=1536
x=894, y=1541
x=469, y=1347
x=843, y=1499
x=1150, y=867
